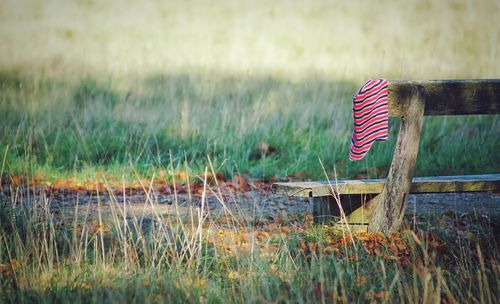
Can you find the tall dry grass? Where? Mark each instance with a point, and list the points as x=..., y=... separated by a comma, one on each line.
x=48, y=254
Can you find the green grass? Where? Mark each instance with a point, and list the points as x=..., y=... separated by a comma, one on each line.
x=58, y=128
x=87, y=86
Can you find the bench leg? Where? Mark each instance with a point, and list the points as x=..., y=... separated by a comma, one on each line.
x=355, y=206
x=389, y=207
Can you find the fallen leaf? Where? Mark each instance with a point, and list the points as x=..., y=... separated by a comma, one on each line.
x=181, y=176
x=15, y=264
x=361, y=280
x=240, y=183
x=16, y=180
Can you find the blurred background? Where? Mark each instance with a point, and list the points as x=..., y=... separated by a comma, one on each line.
x=262, y=87
x=291, y=39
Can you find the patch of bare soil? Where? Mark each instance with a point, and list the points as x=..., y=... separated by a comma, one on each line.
x=252, y=203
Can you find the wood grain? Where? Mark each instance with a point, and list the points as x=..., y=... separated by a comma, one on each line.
x=447, y=97
x=436, y=184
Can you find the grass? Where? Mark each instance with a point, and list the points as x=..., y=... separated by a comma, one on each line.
x=46, y=256
x=103, y=91
x=90, y=87
x=260, y=127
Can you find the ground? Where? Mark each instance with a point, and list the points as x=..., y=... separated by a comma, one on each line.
x=237, y=242
x=256, y=202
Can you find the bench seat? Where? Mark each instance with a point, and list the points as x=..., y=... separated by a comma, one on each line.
x=437, y=184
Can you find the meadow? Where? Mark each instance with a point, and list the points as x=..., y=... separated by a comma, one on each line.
x=132, y=91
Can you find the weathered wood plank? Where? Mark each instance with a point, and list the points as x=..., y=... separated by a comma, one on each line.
x=447, y=97
x=389, y=207
x=436, y=184
x=325, y=188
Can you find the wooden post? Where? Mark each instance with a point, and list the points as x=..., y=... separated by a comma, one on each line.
x=389, y=207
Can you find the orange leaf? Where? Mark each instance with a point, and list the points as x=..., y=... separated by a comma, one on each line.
x=181, y=176
x=361, y=280
x=240, y=183
x=16, y=180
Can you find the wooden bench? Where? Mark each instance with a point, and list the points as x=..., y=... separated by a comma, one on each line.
x=379, y=204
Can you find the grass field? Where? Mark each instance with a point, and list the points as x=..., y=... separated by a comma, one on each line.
x=258, y=127
x=140, y=89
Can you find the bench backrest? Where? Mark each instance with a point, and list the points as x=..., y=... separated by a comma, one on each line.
x=447, y=97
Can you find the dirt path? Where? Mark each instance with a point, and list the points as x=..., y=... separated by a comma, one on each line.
x=253, y=204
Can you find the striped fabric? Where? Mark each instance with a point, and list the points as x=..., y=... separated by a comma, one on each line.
x=371, y=117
